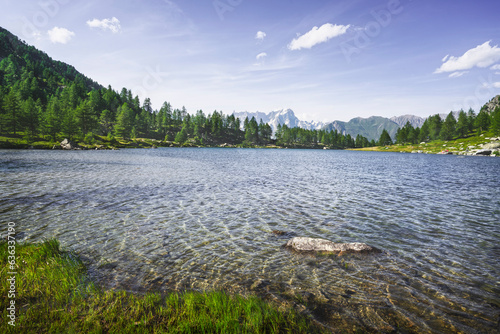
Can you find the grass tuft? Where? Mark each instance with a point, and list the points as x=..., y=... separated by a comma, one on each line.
x=53, y=294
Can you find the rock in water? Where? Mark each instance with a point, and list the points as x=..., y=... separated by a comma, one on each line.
x=303, y=244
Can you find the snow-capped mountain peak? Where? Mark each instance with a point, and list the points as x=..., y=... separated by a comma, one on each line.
x=280, y=116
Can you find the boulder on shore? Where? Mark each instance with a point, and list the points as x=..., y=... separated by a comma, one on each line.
x=304, y=244
x=68, y=145
x=483, y=152
x=491, y=146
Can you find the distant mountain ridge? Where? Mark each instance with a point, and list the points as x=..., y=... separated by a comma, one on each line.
x=415, y=121
x=280, y=116
x=370, y=128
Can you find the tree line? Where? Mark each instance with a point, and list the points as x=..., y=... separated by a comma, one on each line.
x=286, y=136
x=435, y=128
x=43, y=98
x=40, y=97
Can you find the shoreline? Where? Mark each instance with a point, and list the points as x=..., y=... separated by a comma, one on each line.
x=482, y=145
x=55, y=293
x=143, y=143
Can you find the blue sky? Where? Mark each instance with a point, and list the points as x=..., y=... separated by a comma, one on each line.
x=326, y=60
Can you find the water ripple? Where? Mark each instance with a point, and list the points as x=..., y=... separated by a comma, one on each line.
x=202, y=219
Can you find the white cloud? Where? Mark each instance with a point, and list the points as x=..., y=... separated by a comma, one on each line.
x=457, y=74
x=60, y=35
x=112, y=24
x=445, y=58
x=495, y=67
x=481, y=56
x=260, y=35
x=492, y=85
x=261, y=55
x=317, y=35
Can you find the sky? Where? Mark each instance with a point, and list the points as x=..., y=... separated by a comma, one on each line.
x=325, y=60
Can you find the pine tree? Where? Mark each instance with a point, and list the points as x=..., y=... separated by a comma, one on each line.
x=182, y=135
x=252, y=131
x=85, y=118
x=462, y=127
x=471, y=119
x=69, y=124
x=124, y=121
x=482, y=121
x=106, y=122
x=13, y=113
x=435, y=124
x=424, y=131
x=31, y=113
x=448, y=129
x=52, y=119
x=385, y=138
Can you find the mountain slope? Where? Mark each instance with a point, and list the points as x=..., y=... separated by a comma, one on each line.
x=23, y=64
x=492, y=104
x=415, y=121
x=371, y=127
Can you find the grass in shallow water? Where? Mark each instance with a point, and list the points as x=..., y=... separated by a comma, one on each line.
x=53, y=294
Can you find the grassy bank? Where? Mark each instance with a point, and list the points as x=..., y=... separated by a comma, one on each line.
x=20, y=141
x=95, y=142
x=456, y=146
x=53, y=294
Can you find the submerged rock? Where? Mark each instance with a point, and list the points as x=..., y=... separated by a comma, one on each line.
x=304, y=244
x=283, y=234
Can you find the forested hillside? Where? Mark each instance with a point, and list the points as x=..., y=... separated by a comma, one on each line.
x=468, y=124
x=46, y=100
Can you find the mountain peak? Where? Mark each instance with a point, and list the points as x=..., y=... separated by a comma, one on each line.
x=285, y=116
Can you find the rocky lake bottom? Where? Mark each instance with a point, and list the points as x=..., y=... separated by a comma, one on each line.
x=203, y=219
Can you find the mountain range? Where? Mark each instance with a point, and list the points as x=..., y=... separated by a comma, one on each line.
x=370, y=128
x=47, y=77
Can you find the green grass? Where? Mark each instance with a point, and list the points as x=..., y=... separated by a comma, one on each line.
x=21, y=141
x=54, y=295
x=436, y=146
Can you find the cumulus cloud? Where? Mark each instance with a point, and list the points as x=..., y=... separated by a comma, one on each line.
x=260, y=35
x=112, y=24
x=317, y=35
x=482, y=56
x=261, y=55
x=60, y=35
x=457, y=74
x=495, y=67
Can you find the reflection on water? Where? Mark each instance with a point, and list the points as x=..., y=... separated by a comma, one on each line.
x=203, y=219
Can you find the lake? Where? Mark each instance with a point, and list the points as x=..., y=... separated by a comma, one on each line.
x=176, y=219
